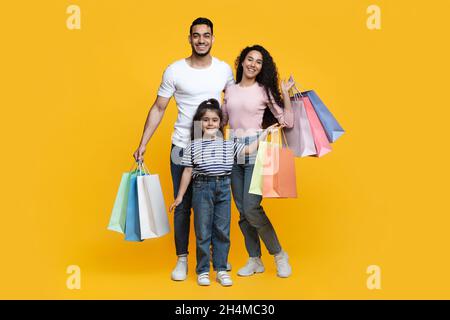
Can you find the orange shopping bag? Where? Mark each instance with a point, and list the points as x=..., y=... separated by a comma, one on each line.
x=279, y=179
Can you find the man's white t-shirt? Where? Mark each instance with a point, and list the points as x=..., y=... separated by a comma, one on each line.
x=190, y=87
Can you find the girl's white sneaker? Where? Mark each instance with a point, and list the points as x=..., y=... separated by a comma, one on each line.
x=224, y=279
x=203, y=279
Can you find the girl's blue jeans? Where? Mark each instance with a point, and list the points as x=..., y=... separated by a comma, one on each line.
x=211, y=201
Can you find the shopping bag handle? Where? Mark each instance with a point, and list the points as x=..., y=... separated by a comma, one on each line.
x=295, y=92
x=277, y=136
x=142, y=168
x=133, y=166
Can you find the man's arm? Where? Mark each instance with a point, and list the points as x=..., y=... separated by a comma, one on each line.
x=154, y=117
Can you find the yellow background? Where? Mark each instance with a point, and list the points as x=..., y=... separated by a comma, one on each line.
x=73, y=107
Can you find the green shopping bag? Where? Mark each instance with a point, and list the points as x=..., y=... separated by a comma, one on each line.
x=264, y=162
x=119, y=212
x=256, y=183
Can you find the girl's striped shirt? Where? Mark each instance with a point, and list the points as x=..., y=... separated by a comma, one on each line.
x=211, y=157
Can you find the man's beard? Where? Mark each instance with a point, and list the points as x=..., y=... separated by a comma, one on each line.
x=201, y=54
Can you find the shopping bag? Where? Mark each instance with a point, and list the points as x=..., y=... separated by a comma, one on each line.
x=132, y=225
x=332, y=128
x=320, y=138
x=119, y=211
x=153, y=218
x=257, y=175
x=299, y=137
x=279, y=178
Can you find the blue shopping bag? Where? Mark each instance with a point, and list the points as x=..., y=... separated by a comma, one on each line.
x=132, y=224
x=330, y=125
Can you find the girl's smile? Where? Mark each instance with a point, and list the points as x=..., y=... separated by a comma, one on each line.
x=210, y=123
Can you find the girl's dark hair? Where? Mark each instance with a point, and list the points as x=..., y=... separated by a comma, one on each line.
x=267, y=77
x=211, y=105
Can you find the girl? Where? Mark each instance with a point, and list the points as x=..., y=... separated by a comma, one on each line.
x=255, y=102
x=209, y=160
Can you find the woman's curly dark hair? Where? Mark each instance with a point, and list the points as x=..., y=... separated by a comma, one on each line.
x=267, y=77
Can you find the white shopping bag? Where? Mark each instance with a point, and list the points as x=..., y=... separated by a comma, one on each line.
x=153, y=218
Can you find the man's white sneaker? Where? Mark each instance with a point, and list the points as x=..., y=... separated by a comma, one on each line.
x=181, y=269
x=224, y=279
x=203, y=279
x=254, y=265
x=284, y=269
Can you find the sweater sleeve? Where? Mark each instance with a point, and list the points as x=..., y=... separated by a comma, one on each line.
x=284, y=117
x=224, y=109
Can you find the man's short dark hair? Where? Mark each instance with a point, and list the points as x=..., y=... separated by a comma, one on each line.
x=202, y=21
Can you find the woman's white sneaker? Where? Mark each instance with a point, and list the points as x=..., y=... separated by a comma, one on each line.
x=224, y=279
x=203, y=279
x=284, y=269
x=181, y=269
x=254, y=265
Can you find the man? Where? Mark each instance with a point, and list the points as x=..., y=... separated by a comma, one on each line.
x=191, y=81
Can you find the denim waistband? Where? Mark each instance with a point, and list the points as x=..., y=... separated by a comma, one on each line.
x=246, y=140
x=210, y=178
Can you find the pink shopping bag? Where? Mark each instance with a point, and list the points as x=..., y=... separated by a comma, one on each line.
x=320, y=138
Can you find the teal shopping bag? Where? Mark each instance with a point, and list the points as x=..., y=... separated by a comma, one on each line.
x=132, y=223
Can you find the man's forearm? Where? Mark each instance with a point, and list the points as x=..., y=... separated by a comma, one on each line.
x=153, y=119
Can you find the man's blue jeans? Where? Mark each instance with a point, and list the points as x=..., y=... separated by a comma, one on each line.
x=182, y=215
x=211, y=200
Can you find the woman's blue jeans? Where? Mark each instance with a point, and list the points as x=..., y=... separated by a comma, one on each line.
x=253, y=221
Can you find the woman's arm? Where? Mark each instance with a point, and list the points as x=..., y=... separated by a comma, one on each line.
x=185, y=180
x=285, y=87
x=284, y=116
x=224, y=110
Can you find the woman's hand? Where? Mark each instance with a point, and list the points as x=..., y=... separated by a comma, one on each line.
x=287, y=85
x=175, y=203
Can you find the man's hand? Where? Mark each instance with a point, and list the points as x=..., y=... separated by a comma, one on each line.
x=139, y=153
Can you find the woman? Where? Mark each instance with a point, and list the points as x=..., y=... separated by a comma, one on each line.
x=254, y=103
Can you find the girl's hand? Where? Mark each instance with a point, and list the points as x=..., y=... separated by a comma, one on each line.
x=273, y=127
x=269, y=129
x=175, y=203
x=286, y=86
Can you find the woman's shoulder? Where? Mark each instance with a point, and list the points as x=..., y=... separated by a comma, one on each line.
x=231, y=87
